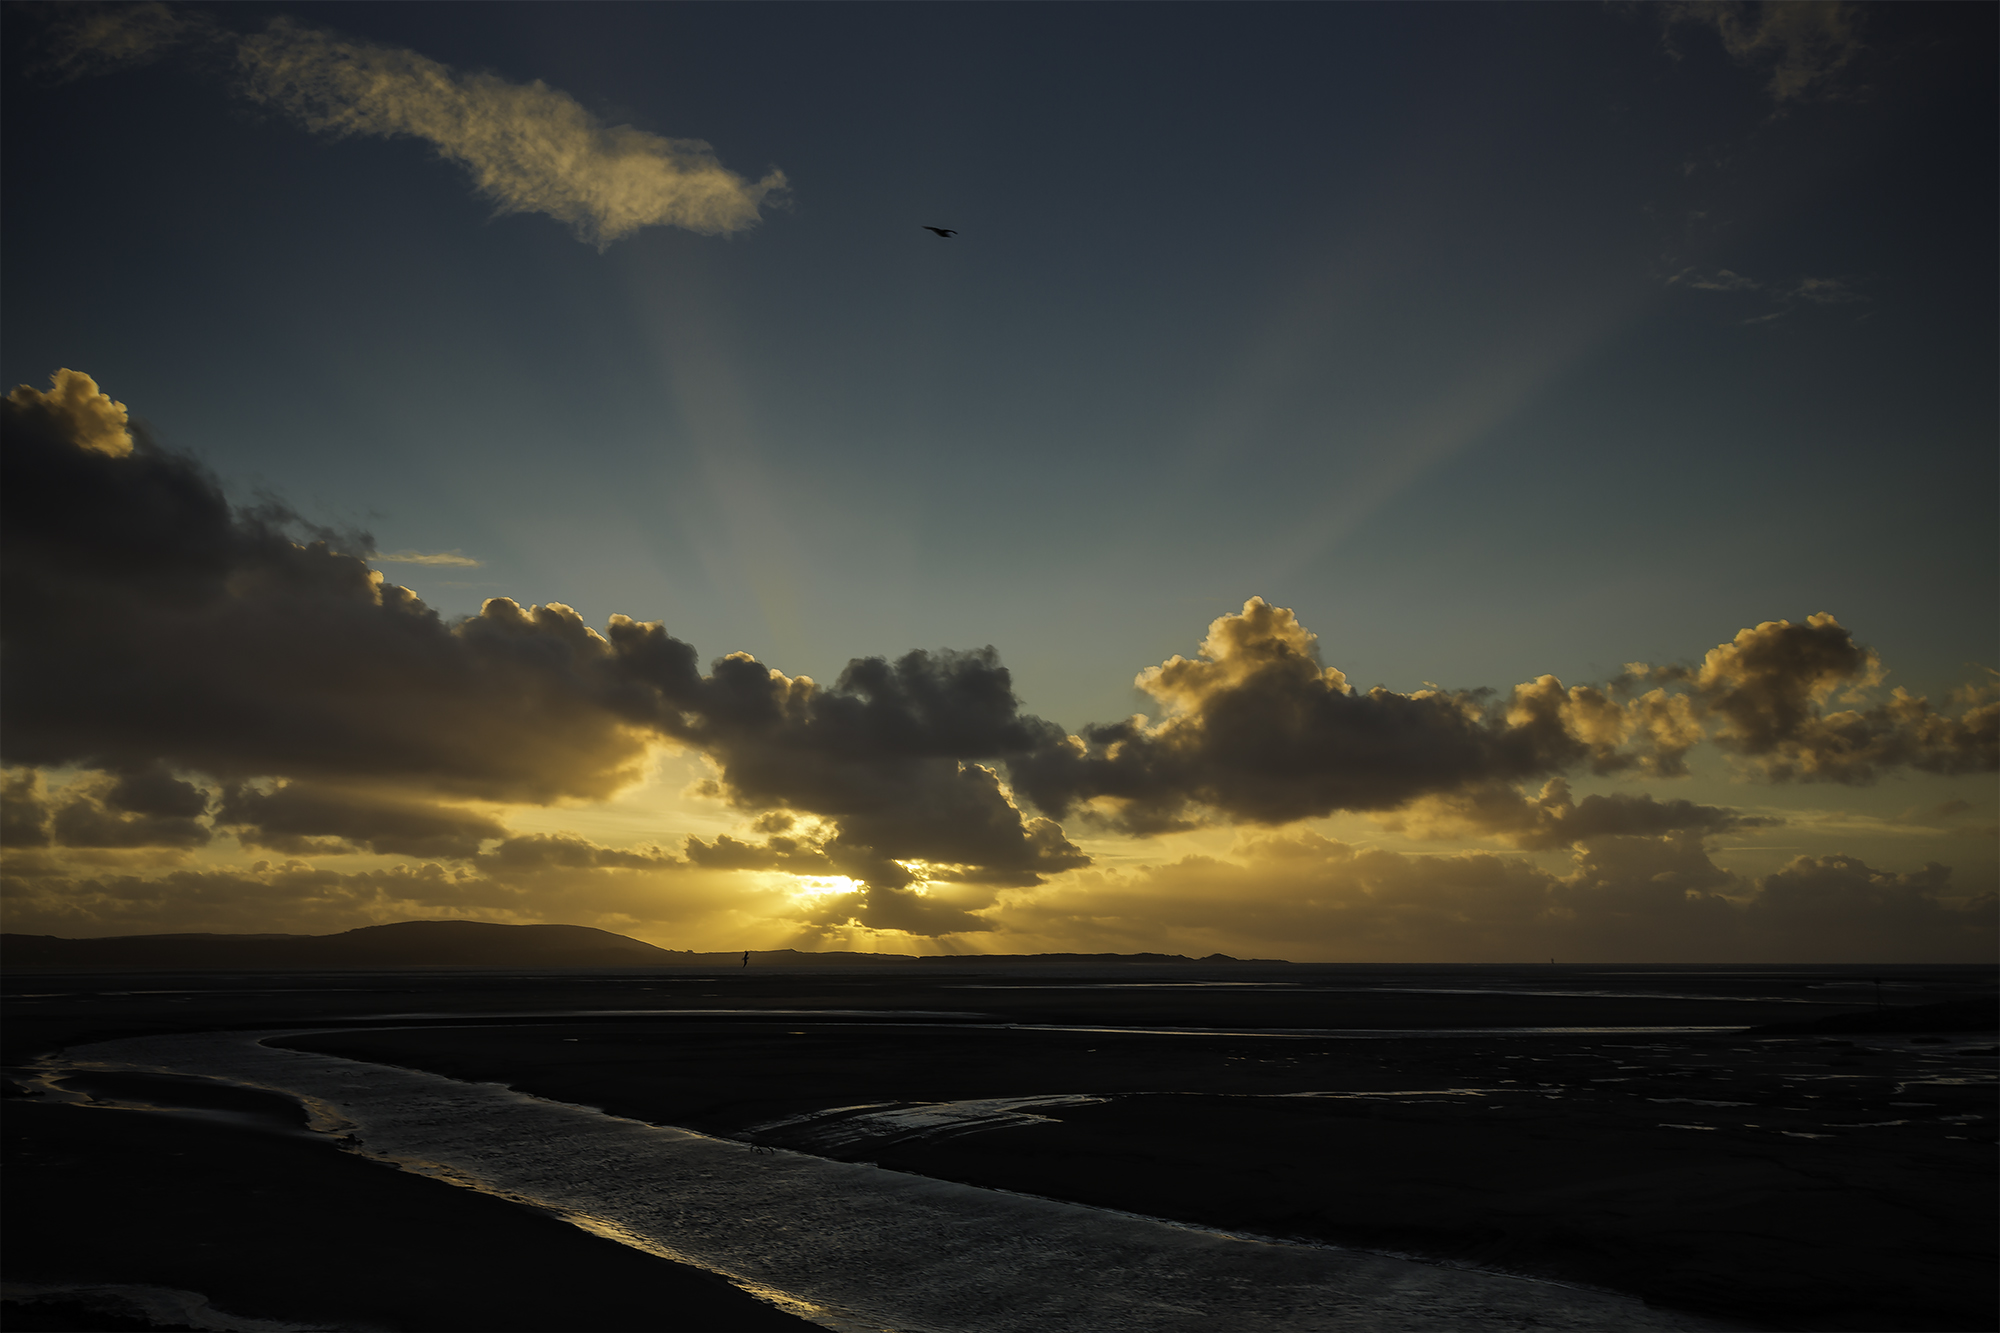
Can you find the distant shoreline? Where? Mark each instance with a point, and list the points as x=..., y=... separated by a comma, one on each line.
x=475, y=944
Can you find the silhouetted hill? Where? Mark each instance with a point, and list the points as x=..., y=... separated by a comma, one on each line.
x=401, y=944
x=474, y=944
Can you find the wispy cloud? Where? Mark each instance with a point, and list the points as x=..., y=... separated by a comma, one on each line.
x=1804, y=42
x=529, y=148
x=1825, y=291
x=1722, y=280
x=452, y=559
x=1785, y=296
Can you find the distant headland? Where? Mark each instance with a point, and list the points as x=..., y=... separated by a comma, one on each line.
x=434, y=944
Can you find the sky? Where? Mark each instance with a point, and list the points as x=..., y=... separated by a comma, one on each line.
x=1362, y=482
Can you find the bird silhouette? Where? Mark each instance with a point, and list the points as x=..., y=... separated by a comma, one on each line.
x=944, y=233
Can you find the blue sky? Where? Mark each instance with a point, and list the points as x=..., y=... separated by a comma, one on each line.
x=1492, y=340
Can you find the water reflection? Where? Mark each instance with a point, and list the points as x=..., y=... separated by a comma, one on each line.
x=856, y=1247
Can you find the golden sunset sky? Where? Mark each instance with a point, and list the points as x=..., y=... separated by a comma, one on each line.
x=1364, y=483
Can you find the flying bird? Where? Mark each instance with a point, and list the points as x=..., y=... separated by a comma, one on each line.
x=944, y=233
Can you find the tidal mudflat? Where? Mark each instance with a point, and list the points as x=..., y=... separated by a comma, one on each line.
x=1610, y=1129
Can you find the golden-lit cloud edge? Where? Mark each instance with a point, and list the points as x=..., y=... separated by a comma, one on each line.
x=370, y=755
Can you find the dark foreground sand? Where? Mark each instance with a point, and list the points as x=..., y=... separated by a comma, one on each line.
x=1797, y=1182
x=270, y=1222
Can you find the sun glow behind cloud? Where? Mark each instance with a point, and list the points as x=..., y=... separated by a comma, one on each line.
x=821, y=886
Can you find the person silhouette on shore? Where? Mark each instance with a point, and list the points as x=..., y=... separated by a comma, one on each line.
x=746, y=958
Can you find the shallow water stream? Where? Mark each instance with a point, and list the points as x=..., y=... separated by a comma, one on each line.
x=856, y=1247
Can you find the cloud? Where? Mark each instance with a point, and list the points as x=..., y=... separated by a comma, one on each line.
x=1257, y=729
x=531, y=853
x=778, y=853
x=315, y=818
x=171, y=649
x=26, y=819
x=529, y=148
x=1620, y=899
x=74, y=409
x=1805, y=42
x=1768, y=689
x=1825, y=291
x=1556, y=819
x=888, y=757
x=448, y=559
x=533, y=878
x=149, y=622
x=145, y=808
x=1843, y=896
x=1722, y=280
x=86, y=39
x=1785, y=297
x=269, y=658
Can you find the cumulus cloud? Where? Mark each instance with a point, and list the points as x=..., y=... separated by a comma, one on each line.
x=889, y=757
x=529, y=148
x=1768, y=693
x=1258, y=729
x=1805, y=43
x=172, y=652
x=150, y=622
x=271, y=658
x=73, y=408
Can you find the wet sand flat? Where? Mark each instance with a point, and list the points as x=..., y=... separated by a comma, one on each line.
x=1789, y=1182
x=1776, y=1180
